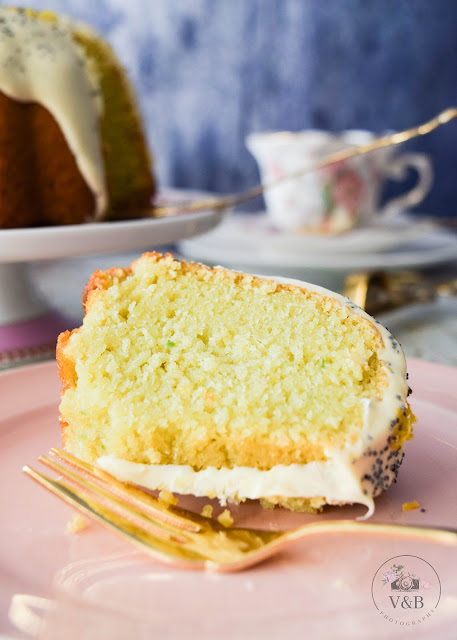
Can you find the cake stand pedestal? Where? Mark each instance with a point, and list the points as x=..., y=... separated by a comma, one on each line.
x=29, y=326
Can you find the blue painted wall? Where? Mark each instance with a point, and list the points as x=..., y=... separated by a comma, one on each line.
x=209, y=71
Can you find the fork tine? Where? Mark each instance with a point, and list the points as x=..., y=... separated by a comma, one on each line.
x=144, y=501
x=167, y=551
x=119, y=506
x=214, y=547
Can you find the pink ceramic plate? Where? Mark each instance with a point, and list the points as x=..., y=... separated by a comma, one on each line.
x=328, y=587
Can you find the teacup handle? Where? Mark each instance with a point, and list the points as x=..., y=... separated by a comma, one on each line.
x=397, y=170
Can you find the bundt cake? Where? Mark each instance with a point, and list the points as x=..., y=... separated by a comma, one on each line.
x=72, y=147
x=216, y=383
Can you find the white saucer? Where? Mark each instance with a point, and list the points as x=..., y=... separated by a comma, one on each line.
x=249, y=239
x=379, y=236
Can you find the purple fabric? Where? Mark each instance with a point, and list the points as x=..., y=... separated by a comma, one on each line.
x=41, y=331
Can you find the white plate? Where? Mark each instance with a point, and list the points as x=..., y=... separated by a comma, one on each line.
x=247, y=239
x=38, y=243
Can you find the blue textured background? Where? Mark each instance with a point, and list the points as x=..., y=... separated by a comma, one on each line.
x=209, y=71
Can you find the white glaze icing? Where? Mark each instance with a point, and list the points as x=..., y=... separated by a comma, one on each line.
x=40, y=62
x=353, y=475
x=336, y=480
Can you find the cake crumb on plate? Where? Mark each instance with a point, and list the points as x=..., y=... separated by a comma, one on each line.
x=167, y=498
x=226, y=518
x=410, y=506
x=207, y=511
x=76, y=525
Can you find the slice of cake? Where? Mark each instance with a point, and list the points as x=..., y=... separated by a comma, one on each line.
x=72, y=146
x=216, y=383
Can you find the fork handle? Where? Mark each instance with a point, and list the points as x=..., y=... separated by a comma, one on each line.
x=442, y=535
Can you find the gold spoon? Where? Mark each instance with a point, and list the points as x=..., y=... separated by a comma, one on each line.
x=232, y=200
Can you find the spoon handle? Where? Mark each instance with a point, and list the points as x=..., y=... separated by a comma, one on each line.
x=232, y=200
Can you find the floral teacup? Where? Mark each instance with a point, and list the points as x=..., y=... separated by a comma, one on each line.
x=340, y=196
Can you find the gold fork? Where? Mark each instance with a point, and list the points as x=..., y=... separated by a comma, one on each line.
x=185, y=539
x=232, y=200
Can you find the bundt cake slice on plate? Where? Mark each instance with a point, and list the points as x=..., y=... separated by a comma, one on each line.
x=216, y=383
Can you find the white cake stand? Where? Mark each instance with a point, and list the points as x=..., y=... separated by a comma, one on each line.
x=28, y=326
